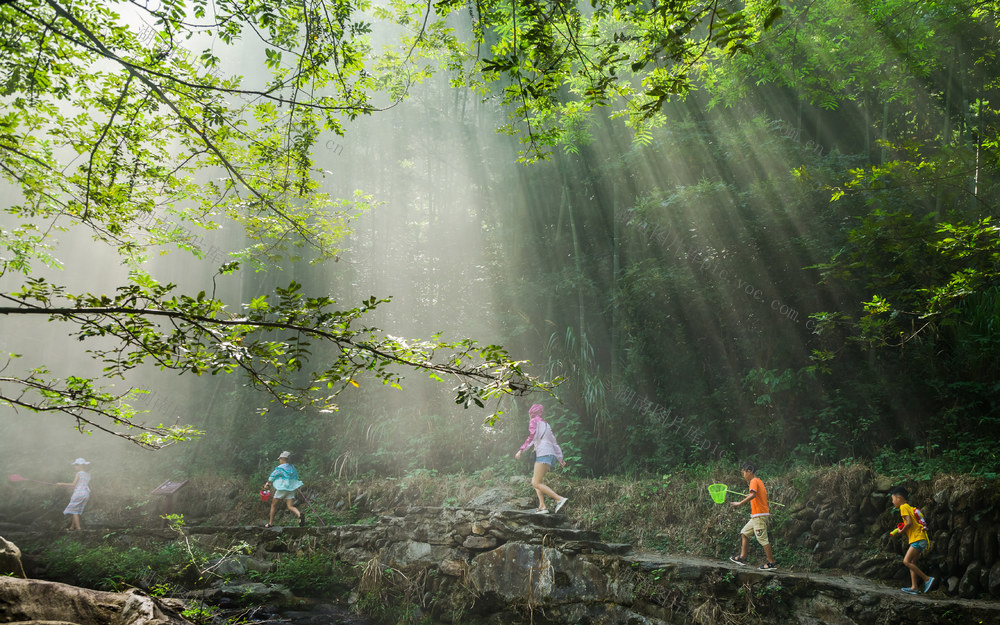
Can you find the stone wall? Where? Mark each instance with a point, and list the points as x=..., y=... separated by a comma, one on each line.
x=478, y=566
x=964, y=531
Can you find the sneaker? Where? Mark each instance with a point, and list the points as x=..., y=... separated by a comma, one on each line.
x=928, y=585
x=909, y=591
x=542, y=511
x=302, y=519
x=739, y=560
x=769, y=566
x=562, y=502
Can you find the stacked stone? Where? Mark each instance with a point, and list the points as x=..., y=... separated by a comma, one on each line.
x=966, y=543
x=964, y=534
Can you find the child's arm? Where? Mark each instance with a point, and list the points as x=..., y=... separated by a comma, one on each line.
x=907, y=521
x=750, y=495
x=532, y=428
x=76, y=479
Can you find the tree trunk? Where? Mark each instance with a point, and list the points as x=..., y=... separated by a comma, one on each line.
x=37, y=600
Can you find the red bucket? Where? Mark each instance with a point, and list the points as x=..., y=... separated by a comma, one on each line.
x=265, y=495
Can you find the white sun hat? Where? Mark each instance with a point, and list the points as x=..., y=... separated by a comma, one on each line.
x=80, y=461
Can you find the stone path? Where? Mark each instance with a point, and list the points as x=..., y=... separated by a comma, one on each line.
x=866, y=601
x=865, y=590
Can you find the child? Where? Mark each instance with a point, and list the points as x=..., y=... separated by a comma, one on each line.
x=759, y=513
x=916, y=538
x=547, y=452
x=81, y=493
x=285, y=478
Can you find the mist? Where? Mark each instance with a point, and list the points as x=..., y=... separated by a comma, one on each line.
x=676, y=270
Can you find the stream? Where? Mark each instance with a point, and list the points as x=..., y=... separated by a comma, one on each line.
x=314, y=612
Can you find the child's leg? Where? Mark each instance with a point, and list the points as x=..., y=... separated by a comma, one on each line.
x=274, y=506
x=745, y=534
x=292, y=508
x=541, y=489
x=769, y=553
x=760, y=530
x=916, y=575
x=75, y=523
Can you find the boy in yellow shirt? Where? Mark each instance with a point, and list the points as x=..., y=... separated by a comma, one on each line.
x=916, y=538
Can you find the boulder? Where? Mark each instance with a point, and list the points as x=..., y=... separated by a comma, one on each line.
x=493, y=499
x=951, y=553
x=967, y=547
x=226, y=568
x=807, y=515
x=958, y=520
x=968, y=586
x=794, y=530
x=986, y=544
x=10, y=559
x=454, y=567
x=819, y=528
x=480, y=543
x=952, y=588
x=993, y=584
x=247, y=593
x=960, y=498
x=517, y=573
x=415, y=553
x=867, y=509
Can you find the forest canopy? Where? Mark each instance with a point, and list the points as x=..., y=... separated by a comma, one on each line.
x=780, y=218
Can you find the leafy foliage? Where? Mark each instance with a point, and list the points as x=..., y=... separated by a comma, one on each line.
x=806, y=255
x=138, y=139
x=271, y=343
x=106, y=567
x=554, y=61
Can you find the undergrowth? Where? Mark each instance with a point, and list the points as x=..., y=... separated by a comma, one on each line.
x=105, y=567
x=312, y=575
x=670, y=512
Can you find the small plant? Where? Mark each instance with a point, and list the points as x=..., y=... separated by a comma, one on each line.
x=201, y=615
x=161, y=590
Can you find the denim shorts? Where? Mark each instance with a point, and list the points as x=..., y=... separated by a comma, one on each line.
x=549, y=460
x=919, y=545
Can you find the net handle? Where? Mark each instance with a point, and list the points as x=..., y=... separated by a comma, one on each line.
x=719, y=495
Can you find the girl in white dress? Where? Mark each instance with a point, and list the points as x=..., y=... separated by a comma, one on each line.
x=81, y=492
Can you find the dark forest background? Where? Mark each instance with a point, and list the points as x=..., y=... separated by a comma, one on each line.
x=796, y=262
x=799, y=264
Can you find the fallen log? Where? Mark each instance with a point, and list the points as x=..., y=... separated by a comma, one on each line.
x=33, y=600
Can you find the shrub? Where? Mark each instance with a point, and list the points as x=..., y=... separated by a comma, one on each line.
x=312, y=575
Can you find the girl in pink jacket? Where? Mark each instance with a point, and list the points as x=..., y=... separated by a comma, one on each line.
x=547, y=451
